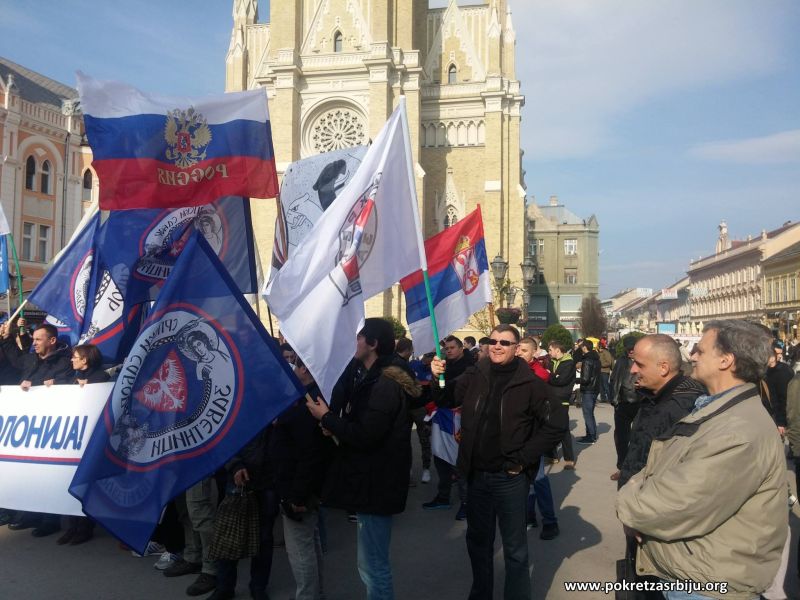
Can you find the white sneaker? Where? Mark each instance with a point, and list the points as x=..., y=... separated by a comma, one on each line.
x=153, y=549
x=165, y=560
x=426, y=476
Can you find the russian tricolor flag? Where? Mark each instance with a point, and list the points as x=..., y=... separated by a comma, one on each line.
x=459, y=278
x=155, y=151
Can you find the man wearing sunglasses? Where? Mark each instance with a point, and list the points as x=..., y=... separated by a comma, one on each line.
x=506, y=426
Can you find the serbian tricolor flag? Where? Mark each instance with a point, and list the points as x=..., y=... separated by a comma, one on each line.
x=446, y=434
x=153, y=151
x=459, y=277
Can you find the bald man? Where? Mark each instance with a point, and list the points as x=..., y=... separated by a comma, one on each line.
x=667, y=396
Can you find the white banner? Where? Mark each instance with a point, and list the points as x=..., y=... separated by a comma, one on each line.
x=43, y=433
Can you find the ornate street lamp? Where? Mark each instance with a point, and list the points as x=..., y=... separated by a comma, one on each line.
x=528, y=270
x=511, y=296
x=499, y=270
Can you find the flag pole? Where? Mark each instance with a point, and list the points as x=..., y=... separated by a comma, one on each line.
x=492, y=319
x=8, y=278
x=19, y=276
x=423, y=259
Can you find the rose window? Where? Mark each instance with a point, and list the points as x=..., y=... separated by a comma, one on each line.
x=336, y=129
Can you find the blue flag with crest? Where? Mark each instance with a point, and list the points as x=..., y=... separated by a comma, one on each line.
x=140, y=247
x=202, y=378
x=63, y=291
x=111, y=322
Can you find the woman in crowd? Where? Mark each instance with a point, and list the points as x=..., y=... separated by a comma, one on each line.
x=88, y=364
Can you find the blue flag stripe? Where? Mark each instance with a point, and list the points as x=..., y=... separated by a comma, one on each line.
x=443, y=284
x=142, y=136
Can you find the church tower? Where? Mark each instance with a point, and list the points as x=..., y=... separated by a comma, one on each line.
x=334, y=71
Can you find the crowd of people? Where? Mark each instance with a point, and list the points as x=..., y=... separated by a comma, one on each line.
x=700, y=460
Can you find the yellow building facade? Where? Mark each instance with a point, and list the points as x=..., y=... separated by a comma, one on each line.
x=335, y=69
x=45, y=178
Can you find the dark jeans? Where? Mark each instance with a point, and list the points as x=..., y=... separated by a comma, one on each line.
x=605, y=394
x=542, y=494
x=624, y=414
x=588, y=400
x=424, y=435
x=169, y=531
x=498, y=499
x=447, y=475
x=261, y=563
x=43, y=520
x=566, y=446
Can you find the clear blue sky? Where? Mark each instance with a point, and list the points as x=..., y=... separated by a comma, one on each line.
x=662, y=117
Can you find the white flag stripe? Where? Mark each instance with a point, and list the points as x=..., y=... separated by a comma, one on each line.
x=4, y=228
x=102, y=99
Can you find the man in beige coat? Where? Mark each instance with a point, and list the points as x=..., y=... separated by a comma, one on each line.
x=710, y=506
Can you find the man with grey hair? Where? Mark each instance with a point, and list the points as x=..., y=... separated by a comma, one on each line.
x=710, y=505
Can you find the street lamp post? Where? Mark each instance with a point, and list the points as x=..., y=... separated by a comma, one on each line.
x=511, y=296
x=499, y=270
x=529, y=272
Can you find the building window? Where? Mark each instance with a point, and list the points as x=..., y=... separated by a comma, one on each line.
x=532, y=248
x=335, y=129
x=784, y=290
x=571, y=247
x=570, y=304
x=337, y=41
x=44, y=243
x=451, y=216
x=541, y=278
x=570, y=276
x=540, y=243
x=452, y=74
x=45, y=188
x=27, y=241
x=30, y=173
x=794, y=288
x=87, y=186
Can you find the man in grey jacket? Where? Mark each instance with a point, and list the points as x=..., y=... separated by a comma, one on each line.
x=710, y=505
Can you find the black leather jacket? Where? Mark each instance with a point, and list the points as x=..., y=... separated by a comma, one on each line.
x=531, y=422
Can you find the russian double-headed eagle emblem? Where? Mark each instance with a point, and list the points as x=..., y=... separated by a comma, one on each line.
x=187, y=134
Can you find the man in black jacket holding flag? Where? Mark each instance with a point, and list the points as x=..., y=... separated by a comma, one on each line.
x=507, y=424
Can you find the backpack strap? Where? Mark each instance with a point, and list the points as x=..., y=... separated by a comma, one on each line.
x=689, y=429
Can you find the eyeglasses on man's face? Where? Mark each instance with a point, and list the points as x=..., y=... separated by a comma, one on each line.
x=504, y=343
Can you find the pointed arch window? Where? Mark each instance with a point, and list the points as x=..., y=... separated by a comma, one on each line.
x=452, y=74
x=337, y=41
x=30, y=173
x=45, y=177
x=451, y=216
x=87, y=185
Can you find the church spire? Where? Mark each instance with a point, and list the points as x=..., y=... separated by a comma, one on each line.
x=245, y=12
